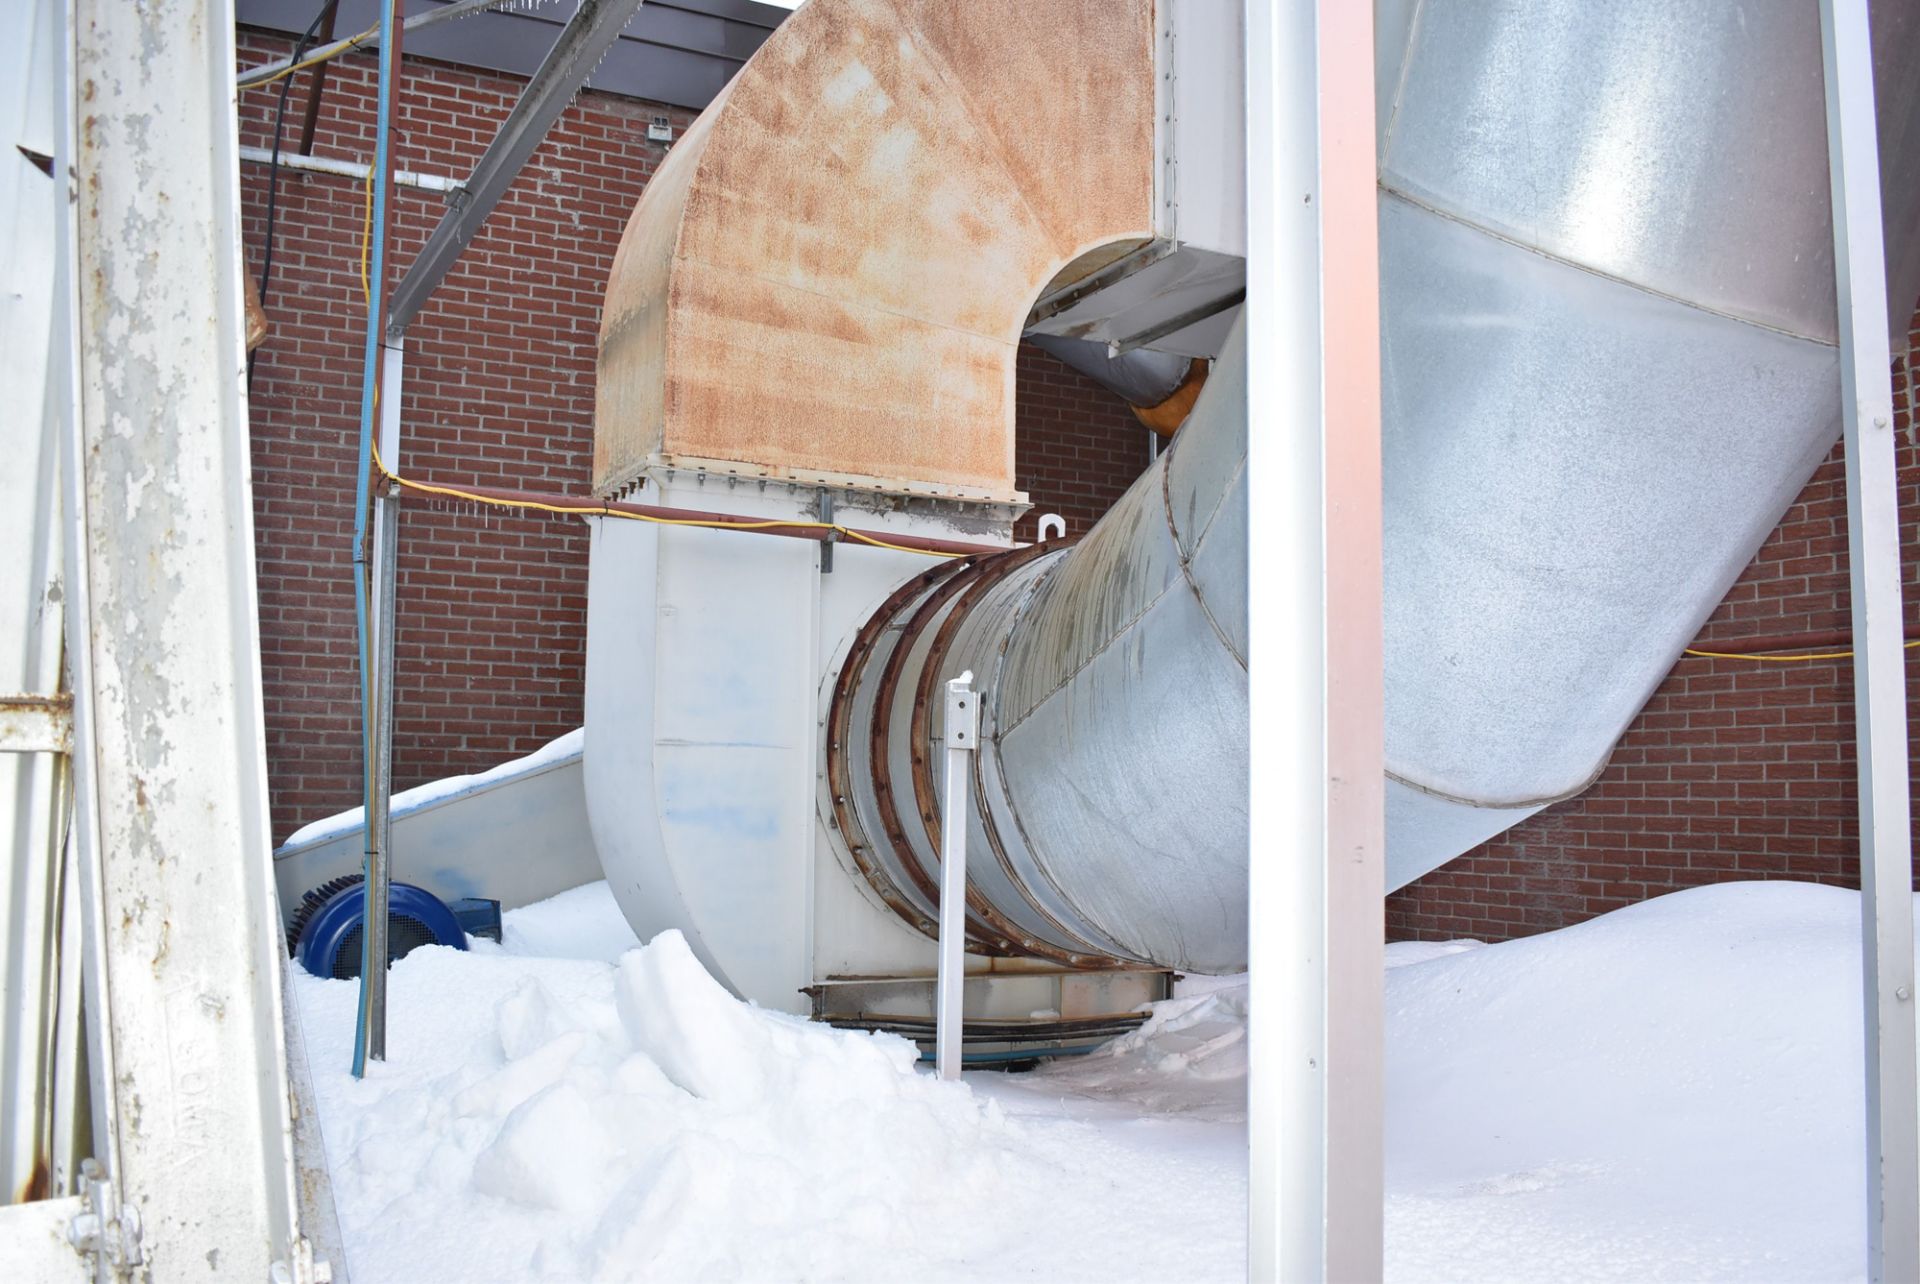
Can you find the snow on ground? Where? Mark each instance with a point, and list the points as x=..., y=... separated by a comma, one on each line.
x=1669, y=1092
x=576, y=1119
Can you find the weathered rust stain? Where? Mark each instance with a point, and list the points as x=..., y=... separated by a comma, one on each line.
x=39, y=1182
x=831, y=270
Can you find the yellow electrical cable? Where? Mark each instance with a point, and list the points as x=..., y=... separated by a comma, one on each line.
x=1782, y=659
x=353, y=42
x=380, y=465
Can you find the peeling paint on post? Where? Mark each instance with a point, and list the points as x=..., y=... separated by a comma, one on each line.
x=194, y=1130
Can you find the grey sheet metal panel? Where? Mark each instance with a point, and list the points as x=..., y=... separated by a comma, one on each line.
x=1187, y=281
x=515, y=839
x=1681, y=147
x=1575, y=471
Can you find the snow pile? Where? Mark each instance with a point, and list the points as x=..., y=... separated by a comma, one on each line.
x=406, y=800
x=1189, y=1058
x=567, y=1119
x=1672, y=1092
x=582, y=923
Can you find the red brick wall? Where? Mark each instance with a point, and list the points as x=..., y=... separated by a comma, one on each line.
x=1735, y=770
x=1078, y=447
x=499, y=391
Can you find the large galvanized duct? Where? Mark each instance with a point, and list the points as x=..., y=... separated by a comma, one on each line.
x=1608, y=366
x=1608, y=363
x=1110, y=799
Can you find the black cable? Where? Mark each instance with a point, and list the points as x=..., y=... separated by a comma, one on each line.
x=273, y=161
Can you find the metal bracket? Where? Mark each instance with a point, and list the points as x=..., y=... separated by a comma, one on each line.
x=1175, y=324
x=1053, y=304
x=36, y=723
x=825, y=510
x=106, y=1229
x=303, y=1269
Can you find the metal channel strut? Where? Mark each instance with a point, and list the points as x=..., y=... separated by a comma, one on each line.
x=583, y=42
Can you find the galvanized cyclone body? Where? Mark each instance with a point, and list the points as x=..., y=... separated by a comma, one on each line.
x=1109, y=817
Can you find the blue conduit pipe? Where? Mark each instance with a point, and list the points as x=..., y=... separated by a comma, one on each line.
x=369, y=400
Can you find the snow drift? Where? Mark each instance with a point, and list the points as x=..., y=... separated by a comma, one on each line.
x=1670, y=1092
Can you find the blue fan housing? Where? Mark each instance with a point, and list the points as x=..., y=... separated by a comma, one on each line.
x=330, y=940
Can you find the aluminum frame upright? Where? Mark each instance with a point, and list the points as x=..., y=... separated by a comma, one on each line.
x=1317, y=818
x=1879, y=666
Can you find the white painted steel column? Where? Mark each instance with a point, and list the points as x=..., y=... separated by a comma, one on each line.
x=1879, y=666
x=962, y=724
x=183, y=939
x=1315, y=687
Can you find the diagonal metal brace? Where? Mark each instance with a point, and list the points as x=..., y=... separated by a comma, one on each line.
x=583, y=42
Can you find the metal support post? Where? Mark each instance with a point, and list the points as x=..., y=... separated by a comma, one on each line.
x=386, y=554
x=1317, y=818
x=1879, y=666
x=369, y=558
x=962, y=729
x=825, y=511
x=192, y=1134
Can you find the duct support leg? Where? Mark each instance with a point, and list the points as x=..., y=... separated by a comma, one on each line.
x=1879, y=666
x=386, y=572
x=1315, y=688
x=962, y=730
